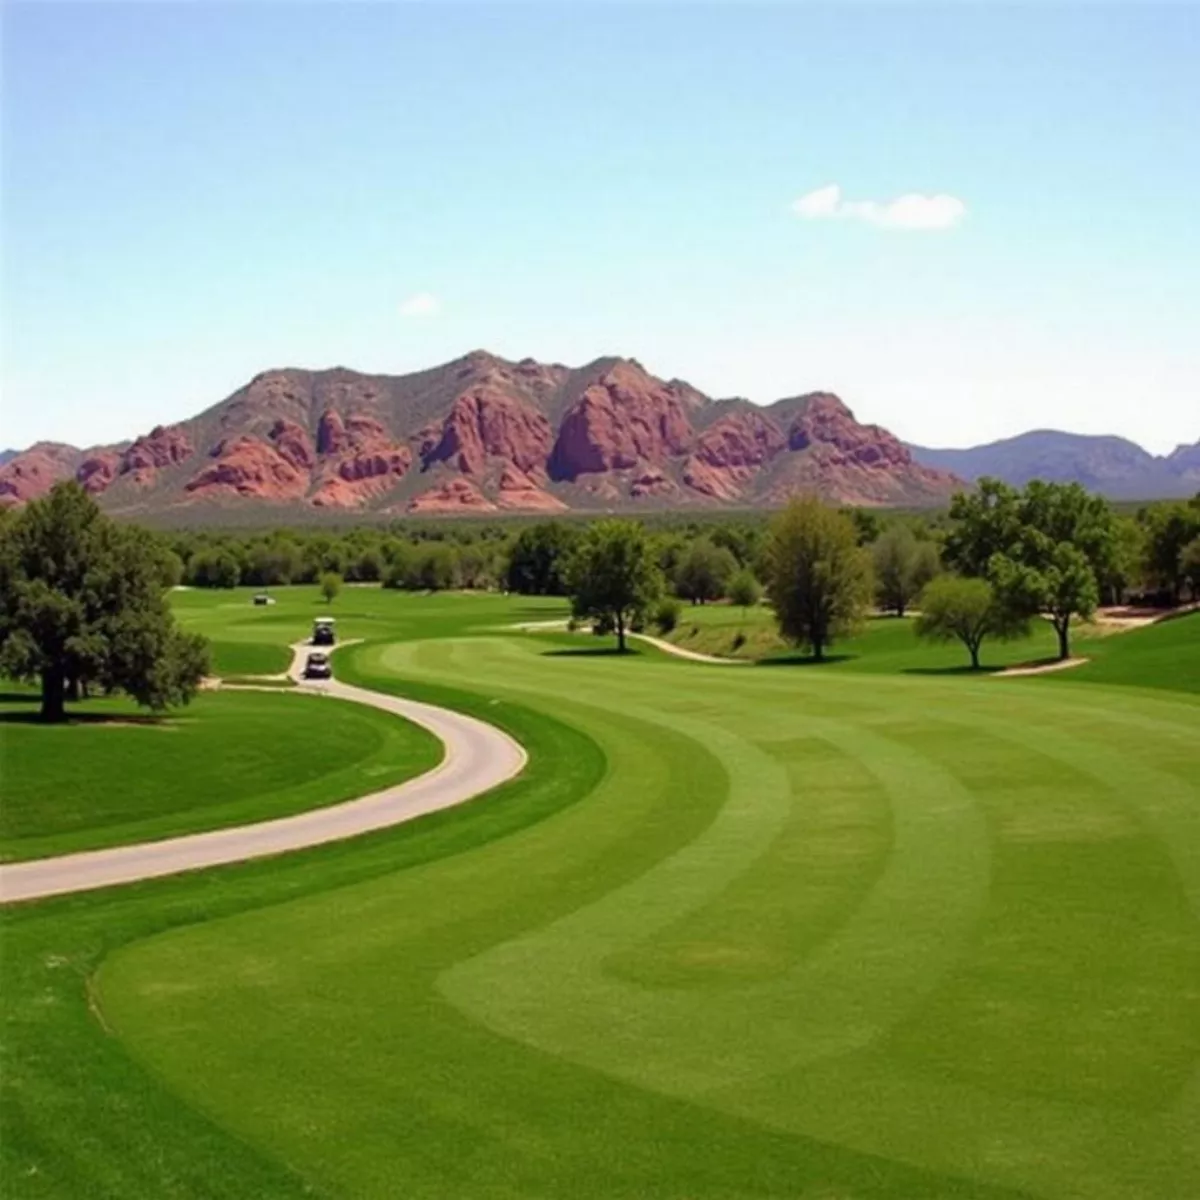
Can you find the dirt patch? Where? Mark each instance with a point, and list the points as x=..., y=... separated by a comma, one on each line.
x=1129, y=616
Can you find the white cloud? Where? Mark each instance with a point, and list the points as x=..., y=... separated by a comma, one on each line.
x=913, y=210
x=421, y=305
x=824, y=202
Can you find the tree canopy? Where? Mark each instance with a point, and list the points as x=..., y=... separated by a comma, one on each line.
x=818, y=577
x=744, y=590
x=613, y=575
x=1170, y=528
x=82, y=602
x=537, y=562
x=704, y=571
x=953, y=606
x=1046, y=549
x=331, y=585
x=903, y=566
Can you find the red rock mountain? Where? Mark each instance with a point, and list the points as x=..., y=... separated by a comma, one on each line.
x=481, y=434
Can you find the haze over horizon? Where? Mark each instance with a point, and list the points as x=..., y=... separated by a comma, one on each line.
x=968, y=222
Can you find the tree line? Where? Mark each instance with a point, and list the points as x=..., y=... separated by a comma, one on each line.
x=83, y=599
x=1152, y=554
x=1004, y=557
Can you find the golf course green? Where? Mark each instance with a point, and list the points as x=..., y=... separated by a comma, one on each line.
x=858, y=930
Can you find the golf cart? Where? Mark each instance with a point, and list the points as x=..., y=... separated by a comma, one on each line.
x=317, y=666
x=263, y=598
x=323, y=633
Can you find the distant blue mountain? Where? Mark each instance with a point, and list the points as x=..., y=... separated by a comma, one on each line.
x=1112, y=466
x=5, y=455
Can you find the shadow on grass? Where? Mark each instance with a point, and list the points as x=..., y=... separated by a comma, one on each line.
x=591, y=652
x=965, y=669
x=20, y=698
x=33, y=716
x=803, y=660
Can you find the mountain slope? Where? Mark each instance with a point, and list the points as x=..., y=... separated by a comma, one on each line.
x=484, y=434
x=1112, y=466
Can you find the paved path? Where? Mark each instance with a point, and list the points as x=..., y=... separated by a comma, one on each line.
x=478, y=757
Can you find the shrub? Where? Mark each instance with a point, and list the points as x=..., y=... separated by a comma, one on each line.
x=666, y=614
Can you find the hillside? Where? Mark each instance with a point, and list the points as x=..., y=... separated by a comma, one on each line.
x=1112, y=466
x=483, y=434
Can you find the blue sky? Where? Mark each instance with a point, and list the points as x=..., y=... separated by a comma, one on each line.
x=196, y=192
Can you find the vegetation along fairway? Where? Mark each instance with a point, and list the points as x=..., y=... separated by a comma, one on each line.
x=789, y=932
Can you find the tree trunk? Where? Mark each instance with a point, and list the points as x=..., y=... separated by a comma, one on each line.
x=73, y=688
x=974, y=649
x=818, y=650
x=1062, y=628
x=900, y=609
x=52, y=695
x=621, y=632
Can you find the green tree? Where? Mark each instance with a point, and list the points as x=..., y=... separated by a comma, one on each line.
x=955, y=607
x=704, y=571
x=1129, y=558
x=903, y=566
x=537, y=562
x=666, y=614
x=986, y=522
x=331, y=585
x=866, y=524
x=1045, y=549
x=1189, y=563
x=434, y=567
x=818, y=578
x=214, y=567
x=613, y=576
x=744, y=590
x=1169, y=528
x=82, y=601
x=743, y=540
x=368, y=566
x=477, y=566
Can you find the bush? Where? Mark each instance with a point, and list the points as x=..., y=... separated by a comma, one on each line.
x=744, y=590
x=666, y=614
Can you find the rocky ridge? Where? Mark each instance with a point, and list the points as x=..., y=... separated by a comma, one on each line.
x=482, y=434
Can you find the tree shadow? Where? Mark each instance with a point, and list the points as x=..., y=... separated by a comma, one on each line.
x=20, y=698
x=804, y=660
x=965, y=669
x=34, y=717
x=592, y=652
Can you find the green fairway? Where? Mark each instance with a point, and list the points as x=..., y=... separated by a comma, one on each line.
x=116, y=776
x=247, y=639
x=1166, y=655
x=798, y=931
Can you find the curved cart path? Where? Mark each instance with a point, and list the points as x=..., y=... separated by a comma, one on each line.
x=478, y=758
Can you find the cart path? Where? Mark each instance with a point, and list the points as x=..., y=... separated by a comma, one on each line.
x=478, y=757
